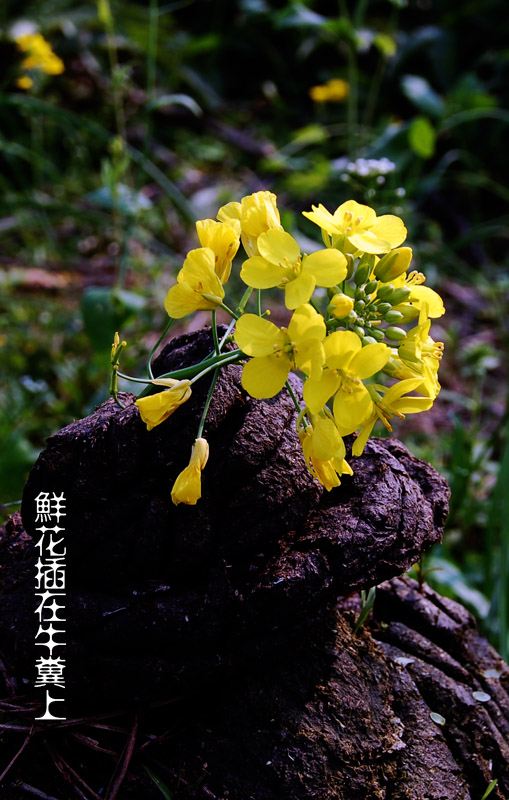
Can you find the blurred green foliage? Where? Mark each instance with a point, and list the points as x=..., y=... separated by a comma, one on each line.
x=167, y=110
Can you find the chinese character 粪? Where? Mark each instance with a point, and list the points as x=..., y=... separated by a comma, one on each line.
x=49, y=670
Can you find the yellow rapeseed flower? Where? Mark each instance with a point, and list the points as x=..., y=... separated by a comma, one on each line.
x=281, y=264
x=197, y=287
x=395, y=402
x=187, y=487
x=334, y=91
x=354, y=227
x=24, y=82
x=155, y=408
x=257, y=213
x=39, y=54
x=276, y=351
x=347, y=364
x=223, y=238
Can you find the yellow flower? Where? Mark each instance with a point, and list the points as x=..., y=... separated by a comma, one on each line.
x=334, y=91
x=419, y=296
x=280, y=264
x=223, y=239
x=187, y=487
x=275, y=351
x=394, y=403
x=197, y=287
x=418, y=344
x=355, y=227
x=155, y=408
x=40, y=55
x=257, y=213
x=347, y=363
x=426, y=371
x=24, y=82
x=324, y=451
x=340, y=305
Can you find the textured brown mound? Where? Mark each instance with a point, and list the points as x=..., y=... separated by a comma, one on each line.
x=229, y=609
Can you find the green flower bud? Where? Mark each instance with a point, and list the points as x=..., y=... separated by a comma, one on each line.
x=396, y=334
x=409, y=312
x=352, y=316
x=393, y=264
x=362, y=274
x=368, y=340
x=400, y=295
x=393, y=316
x=350, y=263
x=359, y=331
x=359, y=306
x=370, y=287
x=383, y=308
x=385, y=292
x=377, y=334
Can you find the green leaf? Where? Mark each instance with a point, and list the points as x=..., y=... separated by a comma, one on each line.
x=422, y=137
x=176, y=99
x=490, y=788
x=166, y=793
x=107, y=310
x=420, y=93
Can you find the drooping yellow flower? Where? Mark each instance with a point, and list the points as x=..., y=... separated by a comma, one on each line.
x=156, y=408
x=347, y=365
x=281, y=264
x=197, y=287
x=275, y=351
x=187, y=487
x=223, y=238
x=426, y=371
x=334, y=91
x=355, y=227
x=395, y=402
x=257, y=213
x=39, y=54
x=324, y=451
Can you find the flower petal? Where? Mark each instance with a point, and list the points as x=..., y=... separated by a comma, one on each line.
x=256, y=336
x=266, y=376
x=423, y=294
x=391, y=229
x=369, y=360
x=260, y=274
x=278, y=247
x=327, y=266
x=317, y=392
x=352, y=409
x=306, y=323
x=340, y=347
x=299, y=291
x=327, y=443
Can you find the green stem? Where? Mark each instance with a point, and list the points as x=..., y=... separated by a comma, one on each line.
x=214, y=333
x=207, y=403
x=293, y=396
x=199, y=369
x=259, y=302
x=151, y=355
x=230, y=312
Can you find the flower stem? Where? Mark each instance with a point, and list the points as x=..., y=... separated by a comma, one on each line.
x=207, y=403
x=214, y=333
x=229, y=311
x=197, y=370
x=293, y=396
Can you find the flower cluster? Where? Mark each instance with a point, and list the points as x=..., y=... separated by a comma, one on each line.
x=38, y=56
x=361, y=343
x=334, y=91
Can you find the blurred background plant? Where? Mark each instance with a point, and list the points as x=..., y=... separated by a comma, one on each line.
x=123, y=122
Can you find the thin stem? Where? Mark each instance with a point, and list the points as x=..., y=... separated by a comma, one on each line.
x=293, y=396
x=197, y=370
x=207, y=403
x=227, y=333
x=259, y=302
x=214, y=333
x=230, y=312
x=151, y=355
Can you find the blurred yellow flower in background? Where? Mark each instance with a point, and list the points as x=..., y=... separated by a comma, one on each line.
x=334, y=91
